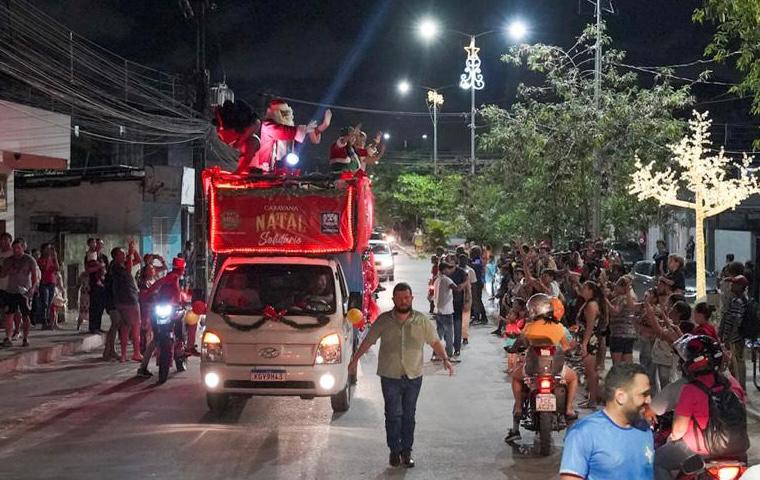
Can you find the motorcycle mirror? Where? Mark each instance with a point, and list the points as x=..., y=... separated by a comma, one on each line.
x=692, y=465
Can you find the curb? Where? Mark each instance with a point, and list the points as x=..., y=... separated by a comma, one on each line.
x=50, y=354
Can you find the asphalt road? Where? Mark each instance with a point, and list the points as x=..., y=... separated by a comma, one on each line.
x=83, y=419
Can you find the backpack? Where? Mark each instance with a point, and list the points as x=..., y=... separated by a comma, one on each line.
x=750, y=326
x=726, y=430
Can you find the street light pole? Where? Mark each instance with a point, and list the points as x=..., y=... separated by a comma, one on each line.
x=472, y=79
x=435, y=99
x=596, y=214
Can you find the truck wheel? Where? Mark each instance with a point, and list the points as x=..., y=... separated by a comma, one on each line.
x=341, y=401
x=217, y=402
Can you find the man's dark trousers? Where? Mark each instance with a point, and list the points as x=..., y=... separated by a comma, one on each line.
x=400, y=395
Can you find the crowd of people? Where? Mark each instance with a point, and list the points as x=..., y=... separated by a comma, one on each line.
x=126, y=287
x=599, y=311
x=31, y=288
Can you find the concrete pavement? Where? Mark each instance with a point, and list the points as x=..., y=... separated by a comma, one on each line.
x=85, y=419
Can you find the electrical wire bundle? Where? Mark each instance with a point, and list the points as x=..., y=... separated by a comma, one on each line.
x=109, y=97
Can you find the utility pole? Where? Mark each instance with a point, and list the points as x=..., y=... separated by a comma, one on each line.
x=596, y=215
x=200, y=11
x=435, y=100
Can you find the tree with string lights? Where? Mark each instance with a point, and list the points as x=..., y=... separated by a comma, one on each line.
x=716, y=183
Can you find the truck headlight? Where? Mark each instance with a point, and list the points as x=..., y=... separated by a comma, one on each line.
x=329, y=350
x=211, y=348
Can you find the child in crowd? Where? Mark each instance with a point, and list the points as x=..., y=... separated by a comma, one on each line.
x=515, y=322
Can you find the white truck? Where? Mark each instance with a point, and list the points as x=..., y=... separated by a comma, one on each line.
x=277, y=321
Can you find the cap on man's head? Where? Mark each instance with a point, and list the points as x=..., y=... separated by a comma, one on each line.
x=178, y=263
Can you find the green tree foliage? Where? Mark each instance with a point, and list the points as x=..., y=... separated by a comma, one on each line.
x=738, y=30
x=549, y=138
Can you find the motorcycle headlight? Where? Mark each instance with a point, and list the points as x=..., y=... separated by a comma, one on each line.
x=211, y=348
x=329, y=350
x=163, y=310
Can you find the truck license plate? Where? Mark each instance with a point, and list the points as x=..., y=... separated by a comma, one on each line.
x=268, y=375
x=546, y=402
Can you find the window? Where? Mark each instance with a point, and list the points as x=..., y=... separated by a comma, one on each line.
x=644, y=268
x=299, y=289
x=380, y=248
x=160, y=235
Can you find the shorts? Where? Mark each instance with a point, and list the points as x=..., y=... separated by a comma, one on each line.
x=16, y=302
x=621, y=345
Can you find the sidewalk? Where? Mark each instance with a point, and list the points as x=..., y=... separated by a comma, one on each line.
x=48, y=346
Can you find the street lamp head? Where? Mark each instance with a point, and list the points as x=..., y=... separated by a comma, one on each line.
x=428, y=29
x=517, y=30
x=424, y=136
x=386, y=136
x=403, y=87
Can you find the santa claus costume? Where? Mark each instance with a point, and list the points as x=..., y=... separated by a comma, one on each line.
x=279, y=132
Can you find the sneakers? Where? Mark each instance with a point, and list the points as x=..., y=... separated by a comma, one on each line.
x=7, y=342
x=407, y=460
x=435, y=358
x=456, y=357
x=144, y=373
x=394, y=459
x=465, y=341
x=513, y=436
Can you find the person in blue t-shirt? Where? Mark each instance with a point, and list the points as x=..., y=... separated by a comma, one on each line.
x=615, y=442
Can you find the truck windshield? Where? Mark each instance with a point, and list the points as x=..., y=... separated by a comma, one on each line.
x=299, y=289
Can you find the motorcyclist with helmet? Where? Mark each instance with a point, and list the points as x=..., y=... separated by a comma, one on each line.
x=701, y=361
x=164, y=290
x=544, y=328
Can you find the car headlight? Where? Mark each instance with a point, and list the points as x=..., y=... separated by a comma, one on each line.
x=329, y=350
x=211, y=348
x=385, y=262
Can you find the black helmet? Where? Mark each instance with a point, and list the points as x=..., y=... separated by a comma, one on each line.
x=698, y=354
x=540, y=306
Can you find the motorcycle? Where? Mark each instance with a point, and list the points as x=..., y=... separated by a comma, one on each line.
x=167, y=322
x=546, y=396
x=697, y=467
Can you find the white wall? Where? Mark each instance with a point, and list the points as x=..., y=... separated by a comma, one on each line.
x=29, y=130
x=732, y=241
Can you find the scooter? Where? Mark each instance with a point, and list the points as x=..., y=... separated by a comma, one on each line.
x=167, y=321
x=545, y=399
x=697, y=467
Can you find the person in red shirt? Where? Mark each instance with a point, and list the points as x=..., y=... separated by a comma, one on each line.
x=48, y=263
x=164, y=290
x=701, y=362
x=702, y=314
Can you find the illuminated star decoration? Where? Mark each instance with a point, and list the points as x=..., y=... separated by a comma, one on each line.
x=434, y=98
x=472, y=78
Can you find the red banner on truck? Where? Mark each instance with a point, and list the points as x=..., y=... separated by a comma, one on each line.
x=288, y=216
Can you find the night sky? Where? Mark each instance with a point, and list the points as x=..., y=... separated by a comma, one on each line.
x=300, y=48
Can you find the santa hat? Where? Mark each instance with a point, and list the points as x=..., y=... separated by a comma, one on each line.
x=276, y=102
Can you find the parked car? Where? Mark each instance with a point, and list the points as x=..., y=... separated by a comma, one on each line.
x=644, y=278
x=384, y=261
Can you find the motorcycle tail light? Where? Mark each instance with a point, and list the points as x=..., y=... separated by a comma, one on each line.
x=731, y=472
x=545, y=385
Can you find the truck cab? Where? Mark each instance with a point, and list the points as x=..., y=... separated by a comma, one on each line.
x=277, y=326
